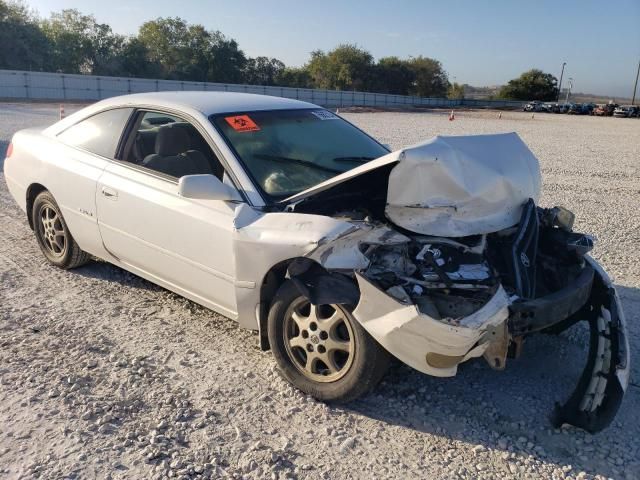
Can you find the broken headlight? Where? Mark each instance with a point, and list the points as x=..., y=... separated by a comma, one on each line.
x=558, y=217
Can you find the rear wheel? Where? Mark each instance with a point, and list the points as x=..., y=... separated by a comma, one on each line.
x=321, y=349
x=53, y=235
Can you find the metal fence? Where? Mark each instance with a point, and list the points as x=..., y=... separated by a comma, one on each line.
x=64, y=87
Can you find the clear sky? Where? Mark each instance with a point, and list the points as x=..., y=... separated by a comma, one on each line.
x=482, y=43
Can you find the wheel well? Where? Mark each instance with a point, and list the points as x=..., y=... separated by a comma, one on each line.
x=314, y=282
x=32, y=192
x=272, y=281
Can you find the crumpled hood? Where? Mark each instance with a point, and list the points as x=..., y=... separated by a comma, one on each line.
x=453, y=186
x=463, y=185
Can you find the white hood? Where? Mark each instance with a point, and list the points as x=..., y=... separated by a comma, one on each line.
x=454, y=186
x=464, y=185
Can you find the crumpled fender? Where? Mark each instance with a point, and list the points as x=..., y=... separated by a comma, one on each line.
x=430, y=346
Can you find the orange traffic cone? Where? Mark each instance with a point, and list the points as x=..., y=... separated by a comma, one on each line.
x=452, y=117
x=61, y=111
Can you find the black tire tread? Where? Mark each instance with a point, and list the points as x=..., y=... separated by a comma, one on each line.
x=365, y=373
x=76, y=257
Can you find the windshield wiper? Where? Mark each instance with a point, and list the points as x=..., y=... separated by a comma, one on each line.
x=299, y=161
x=353, y=159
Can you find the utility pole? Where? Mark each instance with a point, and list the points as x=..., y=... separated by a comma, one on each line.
x=635, y=86
x=560, y=84
x=566, y=100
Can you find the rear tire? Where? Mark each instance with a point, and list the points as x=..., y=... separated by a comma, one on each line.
x=53, y=235
x=322, y=350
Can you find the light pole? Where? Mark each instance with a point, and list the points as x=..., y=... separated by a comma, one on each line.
x=635, y=86
x=560, y=84
x=566, y=100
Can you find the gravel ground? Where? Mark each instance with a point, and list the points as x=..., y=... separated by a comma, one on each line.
x=104, y=375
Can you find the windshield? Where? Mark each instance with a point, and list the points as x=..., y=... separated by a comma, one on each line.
x=288, y=151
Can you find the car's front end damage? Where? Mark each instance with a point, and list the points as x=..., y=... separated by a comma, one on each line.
x=449, y=258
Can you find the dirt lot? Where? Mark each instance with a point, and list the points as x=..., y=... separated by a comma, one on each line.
x=103, y=375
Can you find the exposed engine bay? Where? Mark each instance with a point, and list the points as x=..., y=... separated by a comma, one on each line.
x=507, y=268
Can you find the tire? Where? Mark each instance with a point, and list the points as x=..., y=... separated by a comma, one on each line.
x=332, y=375
x=53, y=236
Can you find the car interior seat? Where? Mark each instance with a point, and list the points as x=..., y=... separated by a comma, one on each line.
x=173, y=155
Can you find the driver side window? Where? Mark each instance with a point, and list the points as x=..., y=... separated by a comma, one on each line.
x=170, y=145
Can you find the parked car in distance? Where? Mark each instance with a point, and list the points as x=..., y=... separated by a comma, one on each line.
x=604, y=110
x=574, y=109
x=534, y=106
x=625, y=111
x=285, y=217
x=580, y=109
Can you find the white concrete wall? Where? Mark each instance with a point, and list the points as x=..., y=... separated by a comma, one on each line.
x=65, y=87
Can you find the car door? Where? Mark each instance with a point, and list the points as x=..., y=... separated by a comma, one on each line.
x=182, y=244
x=83, y=151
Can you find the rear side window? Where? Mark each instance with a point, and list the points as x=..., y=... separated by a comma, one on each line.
x=99, y=133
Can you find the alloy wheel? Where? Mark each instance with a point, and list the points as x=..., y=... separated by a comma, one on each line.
x=319, y=340
x=52, y=231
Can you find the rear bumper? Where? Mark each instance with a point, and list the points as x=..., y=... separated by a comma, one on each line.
x=17, y=190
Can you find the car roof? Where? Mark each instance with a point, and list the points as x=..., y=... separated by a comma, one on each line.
x=208, y=103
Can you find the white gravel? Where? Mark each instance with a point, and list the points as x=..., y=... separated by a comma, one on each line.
x=104, y=375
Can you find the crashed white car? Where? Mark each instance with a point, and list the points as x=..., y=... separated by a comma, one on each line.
x=287, y=218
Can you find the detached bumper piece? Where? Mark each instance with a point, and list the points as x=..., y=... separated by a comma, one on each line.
x=598, y=395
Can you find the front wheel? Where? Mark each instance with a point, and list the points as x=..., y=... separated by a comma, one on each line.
x=321, y=349
x=53, y=235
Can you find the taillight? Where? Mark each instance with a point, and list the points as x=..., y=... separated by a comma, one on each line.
x=9, y=150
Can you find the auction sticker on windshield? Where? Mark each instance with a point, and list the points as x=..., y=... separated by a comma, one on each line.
x=242, y=123
x=324, y=115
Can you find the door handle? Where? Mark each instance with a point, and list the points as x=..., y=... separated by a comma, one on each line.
x=109, y=193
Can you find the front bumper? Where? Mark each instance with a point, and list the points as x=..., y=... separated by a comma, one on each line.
x=437, y=348
x=604, y=380
x=430, y=346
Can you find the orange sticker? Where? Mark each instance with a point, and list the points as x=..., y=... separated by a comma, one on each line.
x=242, y=123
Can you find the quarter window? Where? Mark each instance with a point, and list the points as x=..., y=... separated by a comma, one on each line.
x=99, y=133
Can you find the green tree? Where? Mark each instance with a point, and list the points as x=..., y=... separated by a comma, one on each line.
x=166, y=42
x=263, y=70
x=346, y=67
x=80, y=44
x=297, y=77
x=430, y=79
x=190, y=52
x=393, y=75
x=135, y=62
x=531, y=85
x=455, y=91
x=227, y=61
x=23, y=46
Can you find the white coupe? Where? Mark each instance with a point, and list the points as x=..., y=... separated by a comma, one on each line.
x=287, y=218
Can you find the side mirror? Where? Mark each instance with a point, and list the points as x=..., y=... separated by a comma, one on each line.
x=205, y=187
